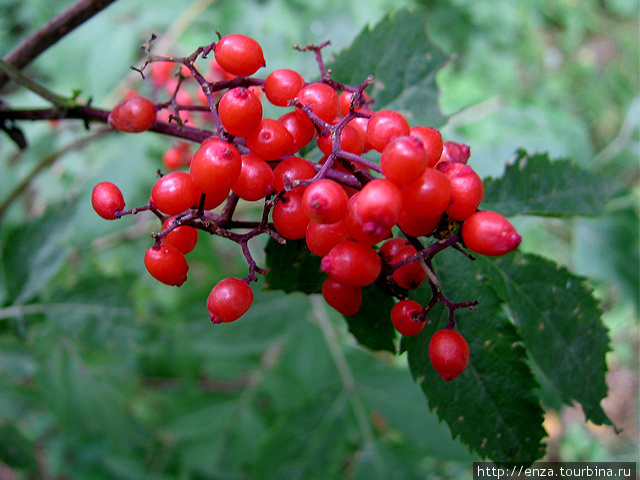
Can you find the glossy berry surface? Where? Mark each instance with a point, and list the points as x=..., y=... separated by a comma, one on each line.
x=369, y=234
x=325, y=201
x=291, y=169
x=431, y=140
x=133, y=115
x=322, y=99
x=270, y=140
x=256, y=179
x=448, y=353
x=384, y=126
x=378, y=205
x=322, y=237
x=411, y=275
x=350, y=141
x=166, y=264
x=352, y=263
x=239, y=54
x=289, y=217
x=282, y=85
x=467, y=189
x=417, y=226
x=106, y=198
x=229, y=299
x=300, y=127
x=184, y=237
x=346, y=299
x=403, y=318
x=428, y=196
x=240, y=111
x=215, y=166
x=403, y=159
x=174, y=193
x=490, y=233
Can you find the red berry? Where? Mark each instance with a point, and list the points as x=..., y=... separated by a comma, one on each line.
x=106, y=198
x=350, y=141
x=239, y=54
x=378, y=205
x=455, y=152
x=133, y=115
x=322, y=237
x=270, y=140
x=403, y=317
x=449, y=353
x=256, y=179
x=174, y=193
x=215, y=167
x=282, y=85
x=384, y=126
x=300, y=127
x=403, y=160
x=290, y=169
x=346, y=299
x=360, y=124
x=411, y=275
x=321, y=98
x=345, y=98
x=166, y=264
x=325, y=201
x=428, y=196
x=416, y=226
x=431, y=140
x=289, y=217
x=240, y=111
x=229, y=299
x=184, y=237
x=467, y=189
x=489, y=233
x=392, y=246
x=356, y=225
x=352, y=263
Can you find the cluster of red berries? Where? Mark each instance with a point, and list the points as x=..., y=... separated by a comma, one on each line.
x=364, y=218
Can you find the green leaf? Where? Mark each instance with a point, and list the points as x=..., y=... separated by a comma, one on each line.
x=309, y=441
x=491, y=405
x=33, y=253
x=536, y=185
x=372, y=326
x=560, y=323
x=292, y=268
x=403, y=61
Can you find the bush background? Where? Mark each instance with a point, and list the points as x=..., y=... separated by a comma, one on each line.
x=104, y=373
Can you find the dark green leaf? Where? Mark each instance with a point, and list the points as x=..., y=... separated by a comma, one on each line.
x=536, y=185
x=491, y=405
x=403, y=61
x=16, y=451
x=33, y=253
x=292, y=268
x=372, y=326
x=308, y=441
x=560, y=323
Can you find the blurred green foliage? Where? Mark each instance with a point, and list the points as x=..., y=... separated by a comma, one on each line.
x=106, y=374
